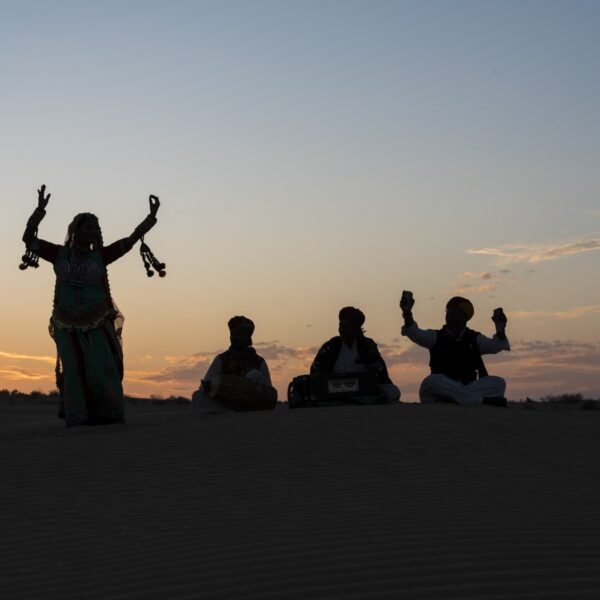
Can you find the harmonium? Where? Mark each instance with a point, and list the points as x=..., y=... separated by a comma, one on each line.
x=333, y=389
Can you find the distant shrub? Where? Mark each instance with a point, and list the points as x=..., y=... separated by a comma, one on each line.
x=178, y=400
x=563, y=398
x=157, y=400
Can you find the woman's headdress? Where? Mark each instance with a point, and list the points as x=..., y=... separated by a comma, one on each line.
x=76, y=223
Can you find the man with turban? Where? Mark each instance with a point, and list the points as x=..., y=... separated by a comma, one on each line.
x=248, y=385
x=352, y=352
x=458, y=374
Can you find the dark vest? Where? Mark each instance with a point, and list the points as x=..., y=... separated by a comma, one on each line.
x=457, y=358
x=236, y=362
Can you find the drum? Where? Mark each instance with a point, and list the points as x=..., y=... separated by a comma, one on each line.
x=240, y=393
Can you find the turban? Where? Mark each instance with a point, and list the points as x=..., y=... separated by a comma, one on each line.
x=462, y=304
x=240, y=321
x=353, y=315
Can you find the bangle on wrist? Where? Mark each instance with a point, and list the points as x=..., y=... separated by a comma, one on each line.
x=145, y=226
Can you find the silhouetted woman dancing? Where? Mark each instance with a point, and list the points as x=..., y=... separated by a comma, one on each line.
x=86, y=323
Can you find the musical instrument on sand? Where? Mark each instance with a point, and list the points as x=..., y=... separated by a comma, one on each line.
x=333, y=389
x=242, y=394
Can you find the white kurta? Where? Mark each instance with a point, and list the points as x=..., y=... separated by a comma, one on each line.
x=202, y=403
x=428, y=337
x=346, y=363
x=437, y=386
x=346, y=360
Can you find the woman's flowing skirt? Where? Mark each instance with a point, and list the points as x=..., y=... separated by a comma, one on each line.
x=92, y=376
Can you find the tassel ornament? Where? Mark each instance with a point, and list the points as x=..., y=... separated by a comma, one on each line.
x=151, y=262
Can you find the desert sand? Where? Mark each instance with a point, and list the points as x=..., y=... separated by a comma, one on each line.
x=405, y=501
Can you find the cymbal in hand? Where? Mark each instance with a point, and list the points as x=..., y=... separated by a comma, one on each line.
x=407, y=301
x=499, y=317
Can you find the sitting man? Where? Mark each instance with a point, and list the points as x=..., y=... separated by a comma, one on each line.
x=349, y=353
x=458, y=374
x=237, y=379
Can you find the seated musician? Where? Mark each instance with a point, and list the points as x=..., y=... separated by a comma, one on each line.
x=353, y=353
x=238, y=379
x=458, y=374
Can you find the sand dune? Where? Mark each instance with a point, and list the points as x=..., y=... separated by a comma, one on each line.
x=403, y=501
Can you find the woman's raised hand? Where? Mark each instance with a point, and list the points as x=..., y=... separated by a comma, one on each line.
x=43, y=199
x=154, y=204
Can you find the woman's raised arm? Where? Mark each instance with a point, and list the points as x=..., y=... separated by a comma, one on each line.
x=121, y=247
x=36, y=246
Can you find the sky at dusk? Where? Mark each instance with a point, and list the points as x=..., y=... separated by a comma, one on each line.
x=310, y=155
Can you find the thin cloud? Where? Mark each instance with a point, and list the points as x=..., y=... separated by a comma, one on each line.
x=16, y=374
x=187, y=371
x=535, y=253
x=573, y=313
x=477, y=289
x=281, y=359
x=185, y=359
x=17, y=356
x=275, y=351
x=470, y=282
x=485, y=275
x=538, y=368
x=412, y=357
